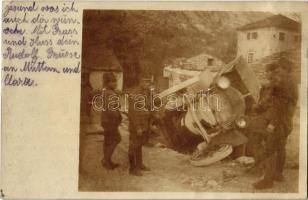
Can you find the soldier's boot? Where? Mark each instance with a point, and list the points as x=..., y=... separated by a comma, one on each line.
x=263, y=184
x=267, y=181
x=112, y=148
x=144, y=168
x=133, y=170
x=108, y=150
x=107, y=165
x=139, y=160
x=281, y=158
x=141, y=165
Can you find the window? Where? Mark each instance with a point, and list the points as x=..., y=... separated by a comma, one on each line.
x=250, y=57
x=281, y=36
x=210, y=61
x=255, y=35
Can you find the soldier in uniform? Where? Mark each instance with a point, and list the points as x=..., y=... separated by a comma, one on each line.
x=256, y=128
x=280, y=109
x=138, y=116
x=111, y=119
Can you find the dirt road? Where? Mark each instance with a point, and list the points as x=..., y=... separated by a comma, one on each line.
x=170, y=172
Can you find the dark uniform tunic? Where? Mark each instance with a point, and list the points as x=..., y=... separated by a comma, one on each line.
x=110, y=119
x=284, y=99
x=257, y=124
x=277, y=108
x=138, y=120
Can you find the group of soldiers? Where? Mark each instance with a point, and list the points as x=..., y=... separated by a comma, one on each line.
x=138, y=126
x=275, y=111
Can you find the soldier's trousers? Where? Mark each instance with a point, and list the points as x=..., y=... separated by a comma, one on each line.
x=112, y=138
x=135, y=157
x=275, y=155
x=135, y=151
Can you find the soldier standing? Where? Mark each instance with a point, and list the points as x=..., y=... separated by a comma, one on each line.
x=256, y=129
x=138, y=116
x=111, y=119
x=280, y=112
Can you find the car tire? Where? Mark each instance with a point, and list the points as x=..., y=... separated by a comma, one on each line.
x=216, y=155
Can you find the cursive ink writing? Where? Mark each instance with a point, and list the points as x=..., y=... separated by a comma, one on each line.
x=38, y=67
x=21, y=54
x=37, y=37
x=11, y=80
x=19, y=8
x=52, y=54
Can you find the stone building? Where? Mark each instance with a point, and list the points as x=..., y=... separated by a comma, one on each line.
x=183, y=69
x=265, y=41
x=268, y=36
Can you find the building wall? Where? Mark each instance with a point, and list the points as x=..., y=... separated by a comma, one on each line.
x=198, y=63
x=266, y=43
x=201, y=62
x=184, y=69
x=288, y=43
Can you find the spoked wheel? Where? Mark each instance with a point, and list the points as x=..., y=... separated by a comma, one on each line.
x=216, y=154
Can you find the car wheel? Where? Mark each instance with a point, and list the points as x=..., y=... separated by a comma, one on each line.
x=217, y=154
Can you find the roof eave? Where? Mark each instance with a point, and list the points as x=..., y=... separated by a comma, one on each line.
x=255, y=28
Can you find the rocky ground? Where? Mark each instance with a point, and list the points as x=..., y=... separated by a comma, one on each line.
x=172, y=172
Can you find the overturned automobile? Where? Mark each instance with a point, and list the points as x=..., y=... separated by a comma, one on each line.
x=208, y=118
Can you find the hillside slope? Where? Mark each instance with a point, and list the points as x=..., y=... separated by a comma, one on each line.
x=144, y=41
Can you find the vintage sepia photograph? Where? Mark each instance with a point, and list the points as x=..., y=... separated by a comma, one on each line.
x=190, y=101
